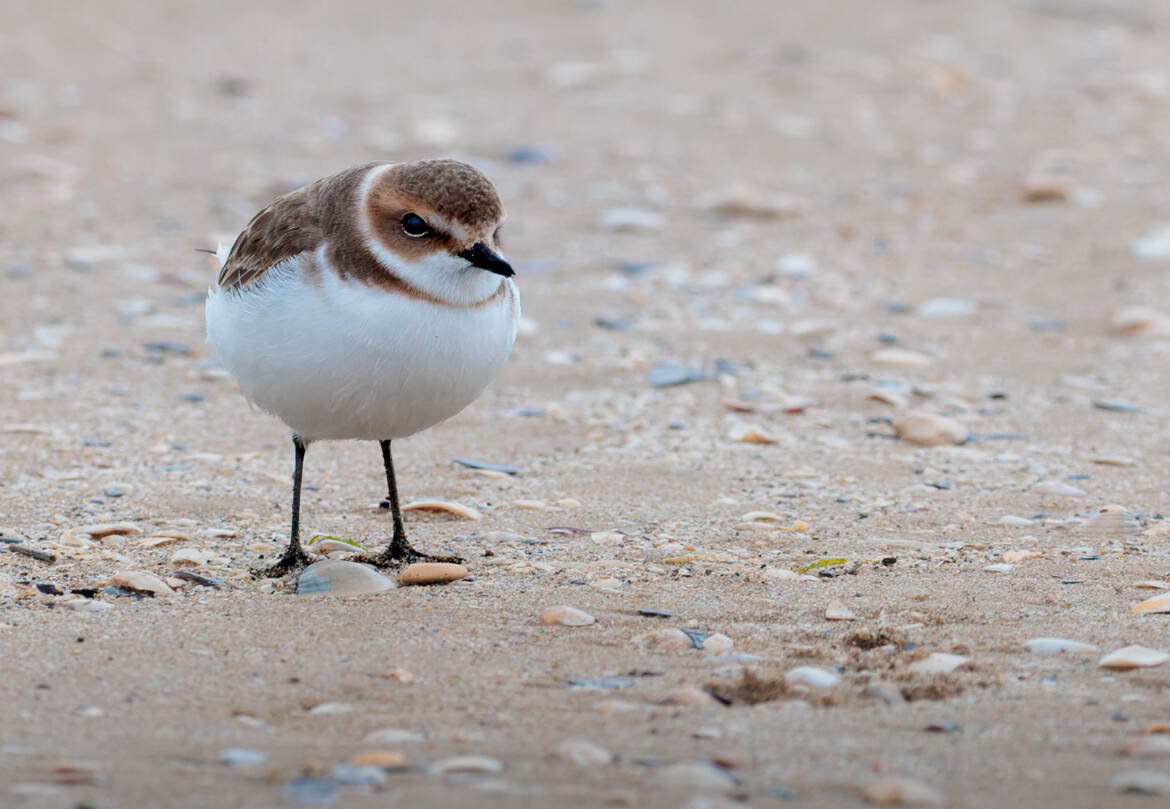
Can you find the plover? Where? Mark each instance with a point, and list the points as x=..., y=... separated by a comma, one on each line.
x=368, y=305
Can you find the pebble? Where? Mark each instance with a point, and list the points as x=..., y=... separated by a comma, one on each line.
x=100, y=530
x=664, y=640
x=339, y=577
x=1132, y=657
x=901, y=358
x=431, y=573
x=631, y=220
x=946, y=307
x=837, y=611
x=717, y=643
x=938, y=663
x=1142, y=782
x=583, y=753
x=311, y=791
x=1152, y=606
x=886, y=692
x=895, y=791
x=1052, y=646
x=445, y=506
x=566, y=616
x=242, y=757
x=694, y=775
x=928, y=430
x=1147, y=747
x=1154, y=246
x=141, y=582
x=87, y=605
x=358, y=775
x=669, y=374
x=468, y=764
x=812, y=677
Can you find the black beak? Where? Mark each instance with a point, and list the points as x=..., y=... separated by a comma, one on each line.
x=480, y=255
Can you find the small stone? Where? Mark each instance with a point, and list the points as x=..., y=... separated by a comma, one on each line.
x=901, y=358
x=1152, y=606
x=141, y=582
x=694, y=775
x=1052, y=646
x=894, y=791
x=431, y=573
x=631, y=220
x=812, y=677
x=387, y=759
x=339, y=577
x=100, y=530
x=358, y=775
x=1040, y=189
x=311, y=791
x=837, y=611
x=886, y=692
x=1147, y=747
x=717, y=643
x=938, y=663
x=1154, y=246
x=669, y=374
x=947, y=307
x=566, y=616
x=1051, y=487
x=664, y=640
x=113, y=491
x=928, y=430
x=242, y=757
x=1132, y=657
x=331, y=709
x=1142, y=782
x=468, y=764
x=583, y=753
x=691, y=697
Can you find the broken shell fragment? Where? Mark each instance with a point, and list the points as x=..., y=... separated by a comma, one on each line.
x=339, y=577
x=446, y=506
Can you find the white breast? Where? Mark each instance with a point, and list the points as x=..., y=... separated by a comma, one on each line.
x=338, y=359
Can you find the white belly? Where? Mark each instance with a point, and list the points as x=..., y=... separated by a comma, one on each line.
x=335, y=359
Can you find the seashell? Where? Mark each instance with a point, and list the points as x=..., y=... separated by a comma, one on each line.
x=664, y=640
x=607, y=537
x=694, y=776
x=192, y=557
x=332, y=708
x=938, y=663
x=1147, y=747
x=1053, y=488
x=812, y=677
x=893, y=791
x=566, y=616
x=456, y=509
x=1152, y=606
x=386, y=759
x=1142, y=782
x=1133, y=657
x=339, y=577
x=431, y=573
x=1141, y=321
x=1111, y=522
x=761, y=516
x=1051, y=646
x=100, y=530
x=583, y=753
x=717, y=643
x=393, y=736
x=837, y=611
x=471, y=764
x=998, y=567
x=142, y=583
x=928, y=430
x=748, y=434
x=1020, y=556
x=901, y=358
x=1151, y=584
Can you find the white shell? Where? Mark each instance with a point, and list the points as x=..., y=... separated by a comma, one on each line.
x=1052, y=646
x=339, y=577
x=812, y=676
x=938, y=663
x=1132, y=657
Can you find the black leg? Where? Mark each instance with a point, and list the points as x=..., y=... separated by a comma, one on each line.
x=399, y=552
x=294, y=558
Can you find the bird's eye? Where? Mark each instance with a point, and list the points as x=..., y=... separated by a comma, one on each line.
x=415, y=226
x=496, y=237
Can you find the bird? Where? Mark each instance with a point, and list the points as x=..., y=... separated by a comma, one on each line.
x=369, y=305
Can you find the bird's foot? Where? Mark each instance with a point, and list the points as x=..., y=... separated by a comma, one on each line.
x=400, y=554
x=292, y=561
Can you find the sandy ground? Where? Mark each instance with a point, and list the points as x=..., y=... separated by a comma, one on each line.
x=892, y=149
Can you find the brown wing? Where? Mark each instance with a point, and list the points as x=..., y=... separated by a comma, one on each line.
x=295, y=223
x=282, y=230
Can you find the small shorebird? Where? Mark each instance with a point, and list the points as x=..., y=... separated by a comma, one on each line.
x=367, y=305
